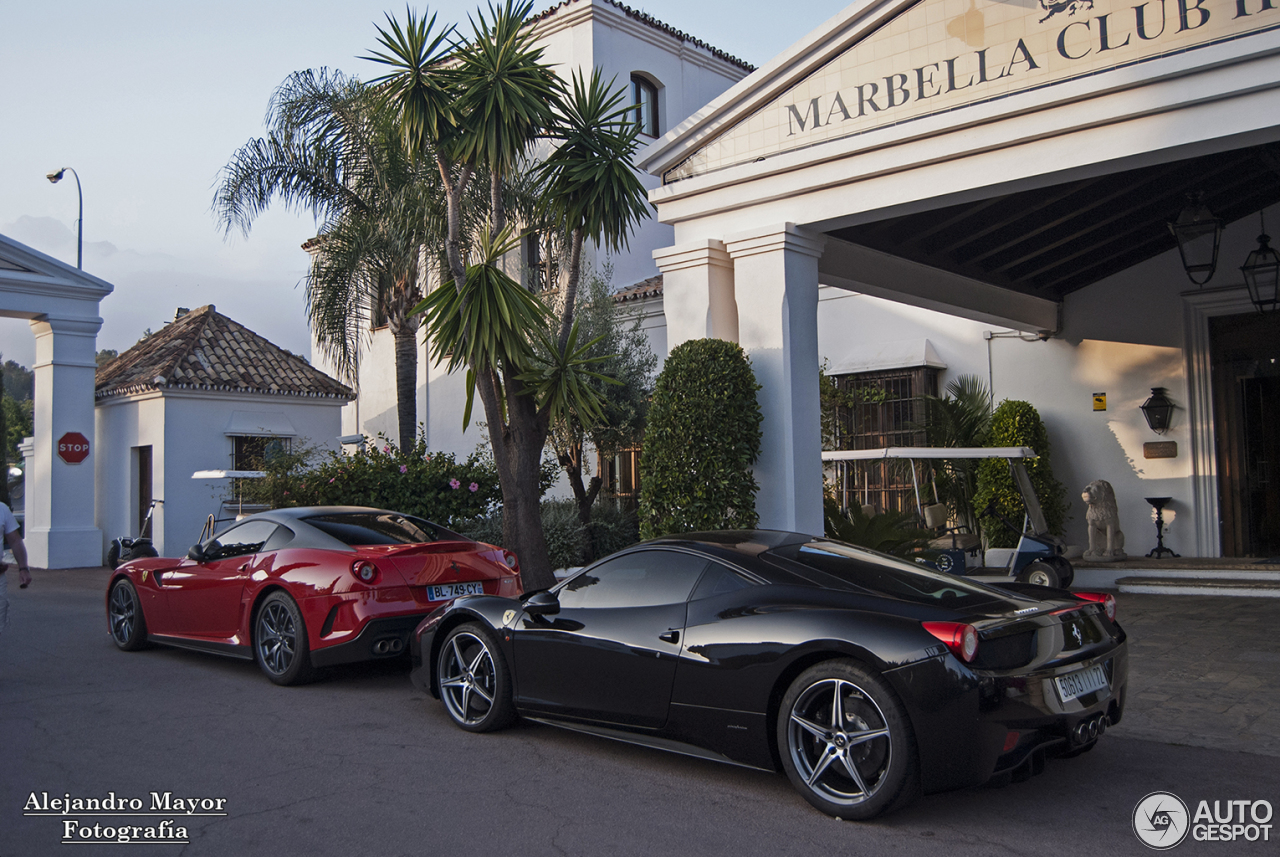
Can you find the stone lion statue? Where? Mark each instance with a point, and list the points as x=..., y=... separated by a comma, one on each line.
x=1106, y=541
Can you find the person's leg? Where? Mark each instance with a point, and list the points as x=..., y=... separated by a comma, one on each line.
x=4, y=601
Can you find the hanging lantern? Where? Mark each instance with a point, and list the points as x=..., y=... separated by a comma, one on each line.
x=1199, y=234
x=1262, y=274
x=1158, y=410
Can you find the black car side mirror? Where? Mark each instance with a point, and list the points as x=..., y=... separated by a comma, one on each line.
x=542, y=604
x=196, y=553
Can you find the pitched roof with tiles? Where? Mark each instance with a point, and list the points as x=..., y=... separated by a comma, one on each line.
x=205, y=350
x=657, y=25
x=650, y=288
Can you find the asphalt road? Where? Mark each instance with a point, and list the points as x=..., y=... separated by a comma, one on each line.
x=362, y=763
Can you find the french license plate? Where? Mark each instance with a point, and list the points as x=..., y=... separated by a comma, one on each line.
x=1079, y=683
x=445, y=591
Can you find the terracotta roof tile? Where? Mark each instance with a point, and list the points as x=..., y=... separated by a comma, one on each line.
x=205, y=350
x=650, y=288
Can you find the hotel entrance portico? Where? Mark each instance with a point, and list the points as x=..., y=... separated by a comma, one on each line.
x=1014, y=166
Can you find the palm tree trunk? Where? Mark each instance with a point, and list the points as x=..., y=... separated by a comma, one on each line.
x=406, y=342
x=571, y=287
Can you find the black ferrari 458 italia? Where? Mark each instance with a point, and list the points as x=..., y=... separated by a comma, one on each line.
x=866, y=678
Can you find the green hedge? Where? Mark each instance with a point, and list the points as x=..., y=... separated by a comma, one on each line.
x=702, y=438
x=1017, y=423
x=430, y=485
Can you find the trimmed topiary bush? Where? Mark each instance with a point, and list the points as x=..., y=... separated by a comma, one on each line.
x=702, y=438
x=1017, y=423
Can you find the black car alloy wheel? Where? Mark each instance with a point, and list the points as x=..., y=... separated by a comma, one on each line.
x=124, y=617
x=280, y=640
x=846, y=741
x=473, y=679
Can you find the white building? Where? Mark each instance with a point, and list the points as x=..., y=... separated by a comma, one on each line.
x=202, y=393
x=966, y=187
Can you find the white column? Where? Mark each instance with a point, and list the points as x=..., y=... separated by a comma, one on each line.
x=775, y=272
x=60, y=531
x=697, y=292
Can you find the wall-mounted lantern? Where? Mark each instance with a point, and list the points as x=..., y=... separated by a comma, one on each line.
x=1199, y=233
x=1158, y=410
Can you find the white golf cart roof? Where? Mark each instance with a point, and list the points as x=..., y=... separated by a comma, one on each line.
x=930, y=452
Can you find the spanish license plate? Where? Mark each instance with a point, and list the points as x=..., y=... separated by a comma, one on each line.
x=1084, y=681
x=445, y=591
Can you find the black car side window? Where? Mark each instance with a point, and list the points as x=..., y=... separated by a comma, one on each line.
x=240, y=540
x=639, y=579
x=719, y=580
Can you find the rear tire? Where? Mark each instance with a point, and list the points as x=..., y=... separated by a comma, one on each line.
x=1040, y=573
x=280, y=641
x=846, y=743
x=1066, y=573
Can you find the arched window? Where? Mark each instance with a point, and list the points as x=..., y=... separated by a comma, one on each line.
x=644, y=95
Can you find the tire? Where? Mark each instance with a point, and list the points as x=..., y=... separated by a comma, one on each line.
x=113, y=554
x=1066, y=574
x=1040, y=573
x=473, y=680
x=863, y=770
x=125, y=622
x=280, y=640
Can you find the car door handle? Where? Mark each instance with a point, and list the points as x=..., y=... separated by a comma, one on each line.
x=671, y=636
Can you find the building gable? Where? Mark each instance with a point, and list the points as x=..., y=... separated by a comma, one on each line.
x=897, y=62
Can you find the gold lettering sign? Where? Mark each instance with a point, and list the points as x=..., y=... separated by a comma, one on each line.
x=941, y=55
x=1160, y=449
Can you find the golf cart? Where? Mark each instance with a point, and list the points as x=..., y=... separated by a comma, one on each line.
x=1039, y=556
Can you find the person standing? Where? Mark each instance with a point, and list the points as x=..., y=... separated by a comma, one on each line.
x=9, y=526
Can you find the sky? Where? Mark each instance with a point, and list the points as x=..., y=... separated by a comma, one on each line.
x=147, y=101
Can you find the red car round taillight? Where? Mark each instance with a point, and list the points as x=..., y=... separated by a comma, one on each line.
x=365, y=571
x=960, y=638
x=509, y=558
x=1106, y=599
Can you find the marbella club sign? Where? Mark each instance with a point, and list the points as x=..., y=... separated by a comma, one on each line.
x=940, y=55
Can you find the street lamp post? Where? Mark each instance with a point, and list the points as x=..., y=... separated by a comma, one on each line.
x=55, y=177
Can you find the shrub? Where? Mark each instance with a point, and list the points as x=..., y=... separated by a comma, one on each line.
x=888, y=532
x=611, y=529
x=1017, y=423
x=702, y=438
x=415, y=481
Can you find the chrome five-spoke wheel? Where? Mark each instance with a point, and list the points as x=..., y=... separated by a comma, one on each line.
x=473, y=680
x=846, y=742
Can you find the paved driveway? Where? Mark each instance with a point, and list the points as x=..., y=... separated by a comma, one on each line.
x=362, y=763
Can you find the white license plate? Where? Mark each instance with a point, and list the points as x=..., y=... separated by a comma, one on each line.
x=1079, y=683
x=445, y=591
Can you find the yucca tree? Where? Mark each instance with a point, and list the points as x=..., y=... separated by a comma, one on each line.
x=334, y=148
x=481, y=105
x=962, y=418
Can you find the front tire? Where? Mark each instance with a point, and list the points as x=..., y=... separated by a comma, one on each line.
x=280, y=641
x=125, y=621
x=473, y=680
x=846, y=743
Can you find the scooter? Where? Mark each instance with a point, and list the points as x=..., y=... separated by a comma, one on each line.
x=124, y=548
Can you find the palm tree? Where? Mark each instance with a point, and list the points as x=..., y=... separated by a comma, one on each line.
x=334, y=149
x=482, y=107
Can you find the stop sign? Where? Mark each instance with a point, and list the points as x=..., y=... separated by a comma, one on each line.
x=73, y=447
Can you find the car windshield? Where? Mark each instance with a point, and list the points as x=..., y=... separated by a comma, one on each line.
x=375, y=528
x=840, y=566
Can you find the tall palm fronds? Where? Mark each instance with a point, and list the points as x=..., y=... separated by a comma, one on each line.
x=333, y=148
x=960, y=419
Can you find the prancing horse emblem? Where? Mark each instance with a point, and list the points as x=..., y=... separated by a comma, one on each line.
x=1075, y=632
x=508, y=616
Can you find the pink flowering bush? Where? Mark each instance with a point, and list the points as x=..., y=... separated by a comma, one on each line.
x=411, y=481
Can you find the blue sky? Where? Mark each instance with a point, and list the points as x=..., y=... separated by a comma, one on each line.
x=148, y=100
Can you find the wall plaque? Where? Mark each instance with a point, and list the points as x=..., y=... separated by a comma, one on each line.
x=1160, y=449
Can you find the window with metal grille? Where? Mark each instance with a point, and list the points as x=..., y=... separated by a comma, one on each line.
x=621, y=478
x=884, y=409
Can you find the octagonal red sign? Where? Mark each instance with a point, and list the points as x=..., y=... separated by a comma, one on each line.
x=73, y=447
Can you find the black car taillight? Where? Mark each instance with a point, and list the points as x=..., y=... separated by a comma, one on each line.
x=1106, y=599
x=960, y=638
x=365, y=571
